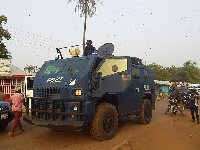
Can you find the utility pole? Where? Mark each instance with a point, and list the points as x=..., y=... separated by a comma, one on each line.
x=84, y=30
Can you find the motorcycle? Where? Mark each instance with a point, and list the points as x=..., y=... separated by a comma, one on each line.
x=174, y=106
x=186, y=104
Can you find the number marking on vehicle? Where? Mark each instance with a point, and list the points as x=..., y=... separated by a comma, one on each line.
x=146, y=87
x=54, y=80
x=4, y=116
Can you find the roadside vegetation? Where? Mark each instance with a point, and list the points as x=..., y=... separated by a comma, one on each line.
x=188, y=73
x=4, y=35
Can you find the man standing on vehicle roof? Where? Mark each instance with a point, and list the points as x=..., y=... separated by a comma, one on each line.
x=16, y=99
x=89, y=49
x=194, y=106
x=2, y=95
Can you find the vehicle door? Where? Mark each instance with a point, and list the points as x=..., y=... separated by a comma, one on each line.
x=137, y=88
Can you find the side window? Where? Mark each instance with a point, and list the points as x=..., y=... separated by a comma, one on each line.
x=135, y=73
x=146, y=75
x=30, y=83
x=112, y=66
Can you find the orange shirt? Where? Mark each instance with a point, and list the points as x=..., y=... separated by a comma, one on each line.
x=17, y=101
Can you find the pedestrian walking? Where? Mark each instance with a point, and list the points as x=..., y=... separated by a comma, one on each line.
x=2, y=95
x=16, y=101
x=194, y=106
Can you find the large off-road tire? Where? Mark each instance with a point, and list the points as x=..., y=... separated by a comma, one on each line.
x=146, y=112
x=3, y=126
x=105, y=122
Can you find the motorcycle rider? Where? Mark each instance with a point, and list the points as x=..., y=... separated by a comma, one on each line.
x=194, y=106
x=179, y=103
x=171, y=97
x=180, y=99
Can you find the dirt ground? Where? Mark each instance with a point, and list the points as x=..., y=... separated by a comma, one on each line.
x=163, y=133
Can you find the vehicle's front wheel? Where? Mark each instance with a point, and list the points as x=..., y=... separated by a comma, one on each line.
x=3, y=126
x=105, y=122
x=146, y=112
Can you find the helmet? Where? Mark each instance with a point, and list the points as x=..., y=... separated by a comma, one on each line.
x=89, y=42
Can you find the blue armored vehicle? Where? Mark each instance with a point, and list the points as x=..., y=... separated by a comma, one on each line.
x=95, y=91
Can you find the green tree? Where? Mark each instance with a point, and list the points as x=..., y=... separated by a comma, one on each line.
x=4, y=34
x=160, y=73
x=86, y=8
x=172, y=73
x=189, y=72
x=30, y=69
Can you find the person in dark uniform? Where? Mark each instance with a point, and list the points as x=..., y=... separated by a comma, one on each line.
x=194, y=106
x=89, y=49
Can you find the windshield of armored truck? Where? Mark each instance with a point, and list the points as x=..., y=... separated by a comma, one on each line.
x=51, y=68
x=76, y=66
x=70, y=66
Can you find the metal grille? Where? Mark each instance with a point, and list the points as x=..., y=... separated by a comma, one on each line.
x=7, y=108
x=50, y=92
x=4, y=108
x=49, y=109
x=48, y=105
x=56, y=109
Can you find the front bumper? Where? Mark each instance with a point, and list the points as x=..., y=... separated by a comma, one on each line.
x=60, y=125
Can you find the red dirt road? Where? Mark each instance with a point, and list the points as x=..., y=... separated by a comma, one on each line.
x=163, y=133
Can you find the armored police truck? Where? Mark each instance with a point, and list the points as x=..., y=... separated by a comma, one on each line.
x=94, y=90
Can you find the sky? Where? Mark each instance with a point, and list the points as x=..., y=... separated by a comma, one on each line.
x=166, y=32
